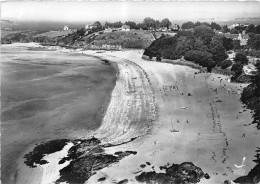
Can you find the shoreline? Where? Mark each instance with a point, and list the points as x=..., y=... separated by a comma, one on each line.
x=212, y=141
x=21, y=167
x=162, y=95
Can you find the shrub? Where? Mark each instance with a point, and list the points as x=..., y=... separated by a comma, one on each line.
x=254, y=53
x=202, y=58
x=226, y=63
x=158, y=58
x=170, y=54
x=241, y=58
x=237, y=68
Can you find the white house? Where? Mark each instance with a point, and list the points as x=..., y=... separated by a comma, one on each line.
x=125, y=28
x=108, y=30
x=249, y=69
x=233, y=26
x=87, y=27
x=175, y=27
x=65, y=28
x=243, y=38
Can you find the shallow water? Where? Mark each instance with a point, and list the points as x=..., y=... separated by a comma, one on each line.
x=48, y=95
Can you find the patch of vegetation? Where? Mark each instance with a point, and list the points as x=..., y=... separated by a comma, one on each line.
x=251, y=96
x=201, y=46
x=126, y=39
x=241, y=58
x=16, y=37
x=225, y=64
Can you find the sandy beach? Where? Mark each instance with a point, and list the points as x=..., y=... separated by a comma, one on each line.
x=169, y=114
x=212, y=127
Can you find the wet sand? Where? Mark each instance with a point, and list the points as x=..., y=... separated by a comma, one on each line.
x=48, y=95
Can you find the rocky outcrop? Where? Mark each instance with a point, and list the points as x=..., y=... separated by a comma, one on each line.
x=85, y=157
x=183, y=173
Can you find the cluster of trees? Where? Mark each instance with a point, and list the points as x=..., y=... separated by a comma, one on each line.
x=238, y=29
x=148, y=23
x=113, y=24
x=248, y=29
x=190, y=25
x=240, y=60
x=254, y=41
x=251, y=95
x=201, y=46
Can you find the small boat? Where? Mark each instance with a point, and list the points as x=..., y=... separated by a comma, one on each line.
x=173, y=130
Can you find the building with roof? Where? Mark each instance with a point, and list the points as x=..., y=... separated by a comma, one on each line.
x=88, y=27
x=243, y=38
x=65, y=28
x=175, y=27
x=125, y=27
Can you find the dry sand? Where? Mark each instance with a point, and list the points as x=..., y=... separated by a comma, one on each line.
x=214, y=131
x=209, y=128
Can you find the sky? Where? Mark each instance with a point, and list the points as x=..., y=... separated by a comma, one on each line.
x=87, y=11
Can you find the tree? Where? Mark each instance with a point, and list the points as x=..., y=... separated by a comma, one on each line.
x=106, y=25
x=256, y=78
x=254, y=41
x=257, y=29
x=226, y=63
x=210, y=64
x=215, y=26
x=237, y=68
x=251, y=29
x=166, y=23
x=205, y=33
x=81, y=32
x=237, y=44
x=184, y=45
x=114, y=25
x=158, y=58
x=202, y=58
x=225, y=29
x=118, y=24
x=217, y=49
x=97, y=24
x=199, y=45
x=234, y=31
x=131, y=24
x=149, y=22
x=201, y=23
x=227, y=43
x=241, y=58
x=187, y=25
x=157, y=24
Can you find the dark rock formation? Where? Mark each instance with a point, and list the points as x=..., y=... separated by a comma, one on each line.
x=35, y=156
x=183, y=173
x=123, y=181
x=252, y=177
x=87, y=157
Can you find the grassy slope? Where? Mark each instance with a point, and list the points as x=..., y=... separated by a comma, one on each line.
x=127, y=39
x=52, y=34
